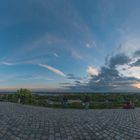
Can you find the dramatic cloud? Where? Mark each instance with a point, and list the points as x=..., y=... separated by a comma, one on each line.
x=109, y=78
x=136, y=56
x=132, y=71
x=137, y=63
x=137, y=53
x=119, y=59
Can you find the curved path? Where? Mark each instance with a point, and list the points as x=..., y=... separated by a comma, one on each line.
x=22, y=122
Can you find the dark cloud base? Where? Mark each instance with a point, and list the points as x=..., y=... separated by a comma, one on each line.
x=109, y=79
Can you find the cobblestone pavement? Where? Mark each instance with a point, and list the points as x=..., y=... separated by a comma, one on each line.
x=22, y=122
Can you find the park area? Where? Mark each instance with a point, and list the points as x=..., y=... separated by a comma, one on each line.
x=24, y=122
x=74, y=100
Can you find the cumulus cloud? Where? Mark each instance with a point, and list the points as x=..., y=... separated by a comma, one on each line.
x=137, y=53
x=118, y=59
x=132, y=71
x=109, y=78
x=57, y=71
x=92, y=71
x=137, y=63
x=136, y=58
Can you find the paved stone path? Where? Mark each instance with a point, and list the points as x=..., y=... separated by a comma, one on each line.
x=22, y=122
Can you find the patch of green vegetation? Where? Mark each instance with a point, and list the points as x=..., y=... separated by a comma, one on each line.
x=97, y=101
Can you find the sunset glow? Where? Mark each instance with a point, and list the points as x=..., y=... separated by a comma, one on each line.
x=137, y=85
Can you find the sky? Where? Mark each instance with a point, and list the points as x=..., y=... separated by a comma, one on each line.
x=70, y=45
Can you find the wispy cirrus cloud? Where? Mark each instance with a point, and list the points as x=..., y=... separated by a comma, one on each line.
x=55, y=54
x=49, y=41
x=7, y=63
x=57, y=71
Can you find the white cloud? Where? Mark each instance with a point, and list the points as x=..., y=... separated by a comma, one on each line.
x=7, y=63
x=127, y=71
x=52, y=69
x=91, y=45
x=56, y=55
x=92, y=71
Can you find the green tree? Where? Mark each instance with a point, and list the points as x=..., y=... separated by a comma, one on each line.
x=25, y=96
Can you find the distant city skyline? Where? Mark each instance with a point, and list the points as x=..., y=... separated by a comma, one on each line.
x=70, y=45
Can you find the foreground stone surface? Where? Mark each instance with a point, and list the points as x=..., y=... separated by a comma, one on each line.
x=22, y=122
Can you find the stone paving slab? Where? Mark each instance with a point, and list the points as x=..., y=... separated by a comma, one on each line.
x=22, y=122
